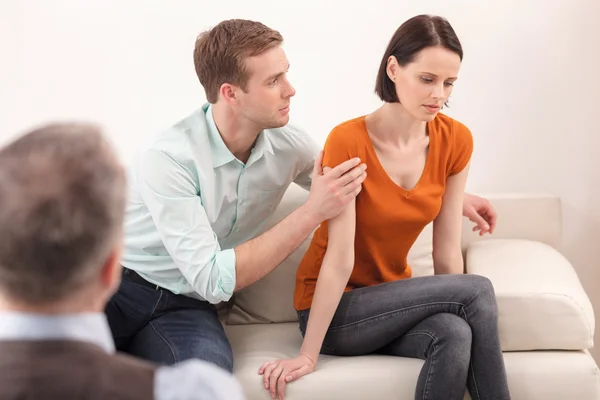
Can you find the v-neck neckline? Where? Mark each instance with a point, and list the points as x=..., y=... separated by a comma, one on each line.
x=379, y=166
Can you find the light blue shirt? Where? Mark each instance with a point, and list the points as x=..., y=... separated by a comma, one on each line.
x=193, y=379
x=191, y=202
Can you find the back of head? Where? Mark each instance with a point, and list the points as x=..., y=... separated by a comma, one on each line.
x=220, y=52
x=410, y=38
x=62, y=197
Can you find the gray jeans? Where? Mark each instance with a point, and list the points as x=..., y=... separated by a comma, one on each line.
x=450, y=321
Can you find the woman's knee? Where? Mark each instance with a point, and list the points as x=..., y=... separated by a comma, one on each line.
x=454, y=334
x=482, y=283
x=452, y=327
x=485, y=295
x=476, y=291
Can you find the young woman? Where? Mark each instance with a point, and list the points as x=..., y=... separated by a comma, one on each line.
x=354, y=291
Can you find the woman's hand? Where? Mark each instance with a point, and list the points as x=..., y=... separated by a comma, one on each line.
x=481, y=212
x=276, y=374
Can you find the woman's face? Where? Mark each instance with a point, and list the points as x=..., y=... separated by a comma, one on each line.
x=424, y=85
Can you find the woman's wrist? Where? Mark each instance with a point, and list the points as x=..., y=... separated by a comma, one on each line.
x=310, y=355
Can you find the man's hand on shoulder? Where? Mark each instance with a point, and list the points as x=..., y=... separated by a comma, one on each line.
x=333, y=189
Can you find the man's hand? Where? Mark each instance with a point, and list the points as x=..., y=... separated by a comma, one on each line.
x=276, y=374
x=332, y=190
x=481, y=212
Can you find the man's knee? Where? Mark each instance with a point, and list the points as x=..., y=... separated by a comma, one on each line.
x=201, y=337
x=221, y=356
x=215, y=350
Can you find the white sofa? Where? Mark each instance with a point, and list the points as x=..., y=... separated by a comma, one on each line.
x=546, y=320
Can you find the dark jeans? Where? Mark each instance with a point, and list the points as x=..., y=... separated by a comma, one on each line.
x=166, y=328
x=450, y=321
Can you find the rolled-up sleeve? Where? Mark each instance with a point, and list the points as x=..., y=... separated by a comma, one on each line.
x=172, y=195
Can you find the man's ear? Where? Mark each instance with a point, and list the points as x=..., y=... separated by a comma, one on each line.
x=111, y=270
x=229, y=93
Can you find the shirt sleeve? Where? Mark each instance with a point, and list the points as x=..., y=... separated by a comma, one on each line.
x=196, y=380
x=307, y=159
x=172, y=196
x=462, y=148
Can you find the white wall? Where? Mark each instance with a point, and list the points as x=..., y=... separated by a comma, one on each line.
x=529, y=85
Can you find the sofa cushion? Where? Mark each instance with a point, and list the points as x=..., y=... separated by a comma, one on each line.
x=541, y=302
x=271, y=298
x=548, y=375
x=529, y=216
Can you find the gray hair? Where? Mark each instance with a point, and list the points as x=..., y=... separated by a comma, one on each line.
x=62, y=200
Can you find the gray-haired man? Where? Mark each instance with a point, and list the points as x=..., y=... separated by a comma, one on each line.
x=62, y=199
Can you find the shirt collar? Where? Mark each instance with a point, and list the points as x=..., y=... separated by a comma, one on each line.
x=85, y=327
x=221, y=154
x=262, y=144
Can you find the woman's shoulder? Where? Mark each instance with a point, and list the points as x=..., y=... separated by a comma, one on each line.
x=457, y=141
x=354, y=123
x=451, y=128
x=345, y=141
x=354, y=126
x=348, y=133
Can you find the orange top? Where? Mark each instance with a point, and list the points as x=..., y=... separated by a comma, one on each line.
x=388, y=218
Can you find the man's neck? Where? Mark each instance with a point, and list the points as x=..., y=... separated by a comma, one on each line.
x=69, y=306
x=239, y=134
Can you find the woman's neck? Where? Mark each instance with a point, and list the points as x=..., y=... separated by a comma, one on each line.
x=393, y=124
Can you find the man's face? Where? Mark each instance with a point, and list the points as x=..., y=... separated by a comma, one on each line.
x=266, y=100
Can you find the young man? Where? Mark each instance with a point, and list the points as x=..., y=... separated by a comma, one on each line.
x=62, y=197
x=201, y=191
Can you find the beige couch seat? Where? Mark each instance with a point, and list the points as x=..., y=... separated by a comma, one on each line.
x=546, y=321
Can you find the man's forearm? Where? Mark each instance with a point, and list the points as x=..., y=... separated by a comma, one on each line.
x=259, y=256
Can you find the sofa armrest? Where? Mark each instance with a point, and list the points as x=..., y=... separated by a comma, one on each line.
x=541, y=302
